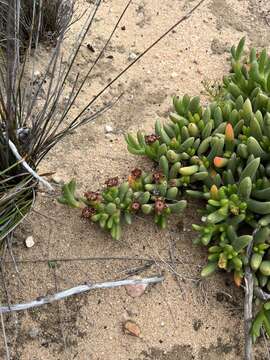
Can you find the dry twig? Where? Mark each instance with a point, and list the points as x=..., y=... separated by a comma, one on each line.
x=262, y=295
x=248, y=303
x=59, y=312
x=78, y=290
x=248, y=313
x=5, y=337
x=172, y=257
x=99, y=258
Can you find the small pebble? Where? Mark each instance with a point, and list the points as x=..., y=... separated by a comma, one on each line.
x=135, y=290
x=37, y=74
x=174, y=75
x=29, y=242
x=132, y=56
x=90, y=47
x=108, y=129
x=109, y=136
x=33, y=333
x=56, y=179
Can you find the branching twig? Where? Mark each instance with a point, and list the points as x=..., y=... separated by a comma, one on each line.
x=78, y=290
x=248, y=313
x=172, y=257
x=9, y=239
x=98, y=258
x=262, y=295
x=137, y=270
x=59, y=311
x=27, y=167
x=248, y=303
x=5, y=337
x=2, y=318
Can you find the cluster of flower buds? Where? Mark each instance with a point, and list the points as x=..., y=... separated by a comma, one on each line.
x=119, y=202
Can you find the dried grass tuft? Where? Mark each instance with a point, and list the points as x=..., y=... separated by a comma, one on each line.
x=52, y=14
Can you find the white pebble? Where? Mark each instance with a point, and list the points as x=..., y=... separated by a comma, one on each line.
x=174, y=75
x=108, y=129
x=29, y=242
x=132, y=56
x=37, y=74
x=56, y=179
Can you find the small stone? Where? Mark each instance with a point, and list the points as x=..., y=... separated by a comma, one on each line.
x=132, y=56
x=220, y=296
x=135, y=290
x=90, y=47
x=131, y=328
x=197, y=324
x=174, y=75
x=33, y=333
x=162, y=324
x=219, y=47
x=108, y=129
x=37, y=74
x=111, y=137
x=56, y=179
x=29, y=242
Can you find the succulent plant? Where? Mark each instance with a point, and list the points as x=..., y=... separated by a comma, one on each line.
x=219, y=153
x=249, y=77
x=149, y=193
x=262, y=319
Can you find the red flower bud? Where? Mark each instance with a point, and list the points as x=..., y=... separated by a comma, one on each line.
x=158, y=176
x=92, y=196
x=136, y=173
x=150, y=139
x=112, y=182
x=88, y=212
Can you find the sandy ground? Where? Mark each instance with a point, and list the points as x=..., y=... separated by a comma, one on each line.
x=197, y=320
